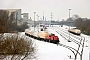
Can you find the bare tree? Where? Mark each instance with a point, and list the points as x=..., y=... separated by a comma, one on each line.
x=83, y=24
x=6, y=21
x=75, y=16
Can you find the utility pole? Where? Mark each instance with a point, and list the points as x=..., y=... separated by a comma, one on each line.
x=43, y=15
x=38, y=19
x=51, y=18
x=69, y=22
x=34, y=21
x=69, y=16
x=45, y=20
x=38, y=22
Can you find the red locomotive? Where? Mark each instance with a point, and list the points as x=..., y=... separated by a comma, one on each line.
x=53, y=39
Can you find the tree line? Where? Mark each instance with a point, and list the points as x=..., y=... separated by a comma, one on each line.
x=83, y=24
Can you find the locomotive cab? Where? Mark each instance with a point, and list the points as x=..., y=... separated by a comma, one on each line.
x=53, y=39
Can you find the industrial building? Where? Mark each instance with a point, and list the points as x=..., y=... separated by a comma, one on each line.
x=17, y=13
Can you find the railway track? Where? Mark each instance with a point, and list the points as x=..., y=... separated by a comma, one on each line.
x=73, y=35
x=68, y=36
x=74, y=38
x=59, y=44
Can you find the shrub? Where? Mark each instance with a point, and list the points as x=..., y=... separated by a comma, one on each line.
x=16, y=48
x=22, y=27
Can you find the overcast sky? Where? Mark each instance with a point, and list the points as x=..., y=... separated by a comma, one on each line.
x=58, y=8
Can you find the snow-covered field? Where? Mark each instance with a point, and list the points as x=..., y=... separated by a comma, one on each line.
x=49, y=51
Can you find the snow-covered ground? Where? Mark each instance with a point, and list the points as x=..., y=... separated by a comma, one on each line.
x=49, y=51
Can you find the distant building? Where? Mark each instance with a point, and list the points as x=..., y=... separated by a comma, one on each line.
x=25, y=16
x=17, y=13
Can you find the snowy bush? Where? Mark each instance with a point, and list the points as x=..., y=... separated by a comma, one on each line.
x=16, y=48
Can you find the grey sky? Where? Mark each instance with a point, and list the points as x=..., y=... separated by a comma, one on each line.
x=59, y=8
